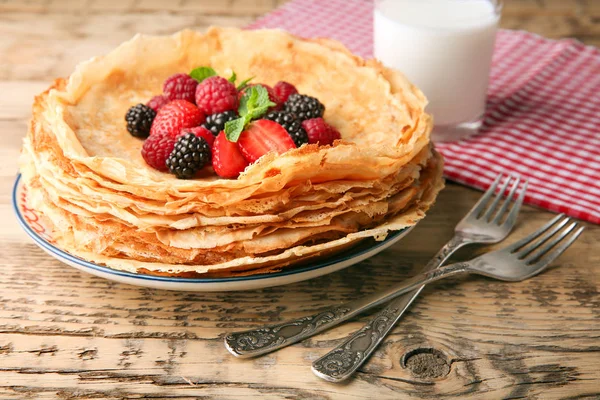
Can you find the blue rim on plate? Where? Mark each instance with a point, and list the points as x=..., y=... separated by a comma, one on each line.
x=363, y=247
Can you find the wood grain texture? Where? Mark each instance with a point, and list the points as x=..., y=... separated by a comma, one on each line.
x=65, y=334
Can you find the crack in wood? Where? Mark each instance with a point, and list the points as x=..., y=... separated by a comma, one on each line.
x=403, y=380
x=44, y=350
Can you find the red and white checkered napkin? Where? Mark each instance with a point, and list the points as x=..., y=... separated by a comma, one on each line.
x=543, y=118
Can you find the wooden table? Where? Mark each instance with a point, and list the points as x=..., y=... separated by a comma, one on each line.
x=66, y=334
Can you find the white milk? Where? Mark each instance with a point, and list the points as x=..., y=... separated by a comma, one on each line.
x=444, y=47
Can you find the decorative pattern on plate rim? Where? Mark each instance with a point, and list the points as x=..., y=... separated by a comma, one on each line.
x=32, y=217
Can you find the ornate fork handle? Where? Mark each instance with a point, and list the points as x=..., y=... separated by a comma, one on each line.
x=255, y=342
x=260, y=341
x=446, y=251
x=340, y=363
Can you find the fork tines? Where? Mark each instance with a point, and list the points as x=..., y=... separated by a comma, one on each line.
x=554, y=238
x=490, y=211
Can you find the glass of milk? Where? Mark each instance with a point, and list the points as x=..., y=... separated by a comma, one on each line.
x=445, y=48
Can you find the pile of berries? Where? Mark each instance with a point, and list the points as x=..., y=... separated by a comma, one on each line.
x=203, y=119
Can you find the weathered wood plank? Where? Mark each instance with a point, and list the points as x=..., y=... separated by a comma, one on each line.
x=15, y=106
x=206, y=7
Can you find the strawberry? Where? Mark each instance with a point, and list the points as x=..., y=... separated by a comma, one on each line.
x=227, y=160
x=264, y=136
x=175, y=116
x=202, y=132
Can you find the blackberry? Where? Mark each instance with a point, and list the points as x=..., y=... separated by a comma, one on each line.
x=190, y=154
x=139, y=120
x=215, y=123
x=304, y=107
x=292, y=125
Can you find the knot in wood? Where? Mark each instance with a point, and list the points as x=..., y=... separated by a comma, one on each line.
x=426, y=363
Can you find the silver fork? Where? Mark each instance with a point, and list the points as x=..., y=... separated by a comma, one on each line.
x=513, y=263
x=481, y=225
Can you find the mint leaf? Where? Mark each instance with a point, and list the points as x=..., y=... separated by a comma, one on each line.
x=233, y=77
x=252, y=98
x=234, y=128
x=243, y=107
x=263, y=95
x=248, y=101
x=243, y=84
x=262, y=104
x=201, y=73
x=253, y=104
x=259, y=111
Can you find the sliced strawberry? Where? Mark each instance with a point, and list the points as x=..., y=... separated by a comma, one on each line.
x=175, y=116
x=227, y=160
x=263, y=136
x=201, y=132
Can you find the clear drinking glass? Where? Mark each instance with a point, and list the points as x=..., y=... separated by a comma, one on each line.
x=445, y=48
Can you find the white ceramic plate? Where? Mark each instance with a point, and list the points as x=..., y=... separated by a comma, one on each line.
x=34, y=226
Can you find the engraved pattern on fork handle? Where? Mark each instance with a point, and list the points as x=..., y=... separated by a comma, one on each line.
x=264, y=340
x=340, y=363
x=446, y=251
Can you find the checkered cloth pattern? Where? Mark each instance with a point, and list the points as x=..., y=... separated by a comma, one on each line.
x=543, y=113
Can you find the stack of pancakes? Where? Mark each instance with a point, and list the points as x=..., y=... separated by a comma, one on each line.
x=85, y=174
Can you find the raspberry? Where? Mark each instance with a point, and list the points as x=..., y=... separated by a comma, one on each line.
x=139, y=120
x=189, y=155
x=216, y=122
x=305, y=107
x=216, y=95
x=283, y=90
x=174, y=117
x=180, y=86
x=156, y=150
x=157, y=102
x=202, y=132
x=320, y=132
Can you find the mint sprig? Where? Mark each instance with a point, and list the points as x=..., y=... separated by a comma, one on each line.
x=233, y=77
x=201, y=73
x=234, y=128
x=243, y=84
x=253, y=104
